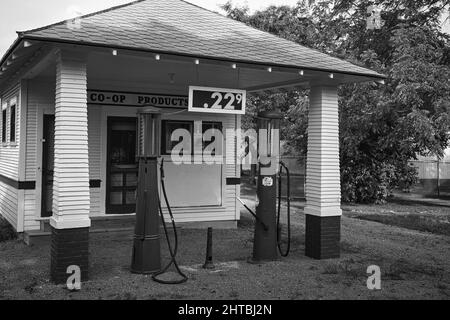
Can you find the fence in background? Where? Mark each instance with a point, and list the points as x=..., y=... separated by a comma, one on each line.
x=297, y=169
x=434, y=176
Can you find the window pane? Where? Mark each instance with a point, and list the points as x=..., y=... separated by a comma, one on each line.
x=116, y=198
x=132, y=179
x=131, y=197
x=12, y=127
x=169, y=128
x=117, y=180
x=216, y=126
x=123, y=147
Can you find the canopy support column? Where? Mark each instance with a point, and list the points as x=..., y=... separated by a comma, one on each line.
x=323, y=188
x=71, y=198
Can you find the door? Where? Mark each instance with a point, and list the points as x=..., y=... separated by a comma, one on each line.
x=48, y=156
x=122, y=167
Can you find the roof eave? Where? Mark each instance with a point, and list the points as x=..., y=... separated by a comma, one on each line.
x=374, y=76
x=11, y=49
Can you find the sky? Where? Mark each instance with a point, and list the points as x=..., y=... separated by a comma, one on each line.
x=35, y=14
x=22, y=15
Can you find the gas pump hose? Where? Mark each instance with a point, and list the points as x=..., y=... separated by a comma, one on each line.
x=288, y=248
x=253, y=214
x=172, y=250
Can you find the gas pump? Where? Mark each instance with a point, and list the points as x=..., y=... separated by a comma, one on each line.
x=267, y=238
x=146, y=257
x=146, y=249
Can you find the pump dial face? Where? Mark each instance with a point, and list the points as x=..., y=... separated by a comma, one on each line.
x=267, y=182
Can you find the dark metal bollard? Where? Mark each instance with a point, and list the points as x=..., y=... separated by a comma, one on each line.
x=209, y=254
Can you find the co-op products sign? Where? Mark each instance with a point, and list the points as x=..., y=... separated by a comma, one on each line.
x=136, y=99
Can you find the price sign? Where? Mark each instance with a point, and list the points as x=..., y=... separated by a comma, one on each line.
x=217, y=100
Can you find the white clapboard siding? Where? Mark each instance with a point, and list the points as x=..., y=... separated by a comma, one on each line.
x=95, y=156
x=41, y=96
x=9, y=203
x=323, y=192
x=71, y=194
x=231, y=169
x=9, y=153
x=231, y=146
x=237, y=168
x=9, y=160
x=94, y=125
x=41, y=99
x=30, y=221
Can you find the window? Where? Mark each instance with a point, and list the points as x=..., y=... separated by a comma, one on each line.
x=168, y=128
x=4, y=123
x=216, y=126
x=12, y=124
x=123, y=144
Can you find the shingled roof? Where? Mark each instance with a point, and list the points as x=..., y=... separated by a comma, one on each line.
x=178, y=27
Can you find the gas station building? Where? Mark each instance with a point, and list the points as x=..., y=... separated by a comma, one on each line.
x=70, y=93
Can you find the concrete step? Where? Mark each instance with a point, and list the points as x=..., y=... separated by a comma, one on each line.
x=36, y=237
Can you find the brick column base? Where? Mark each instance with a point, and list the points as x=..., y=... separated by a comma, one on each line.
x=323, y=236
x=70, y=247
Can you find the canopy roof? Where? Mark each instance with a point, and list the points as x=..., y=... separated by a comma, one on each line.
x=178, y=27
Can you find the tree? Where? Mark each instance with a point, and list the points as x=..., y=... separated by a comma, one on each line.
x=382, y=128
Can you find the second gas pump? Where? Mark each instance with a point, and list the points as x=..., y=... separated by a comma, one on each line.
x=267, y=237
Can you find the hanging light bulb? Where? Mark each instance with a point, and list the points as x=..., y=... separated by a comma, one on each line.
x=172, y=78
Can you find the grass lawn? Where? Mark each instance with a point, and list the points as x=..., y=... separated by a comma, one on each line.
x=414, y=215
x=414, y=262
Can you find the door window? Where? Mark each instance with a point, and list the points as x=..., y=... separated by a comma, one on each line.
x=122, y=166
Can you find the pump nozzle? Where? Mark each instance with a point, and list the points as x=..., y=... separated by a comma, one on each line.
x=162, y=169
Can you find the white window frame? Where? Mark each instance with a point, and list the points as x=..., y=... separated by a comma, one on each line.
x=12, y=102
